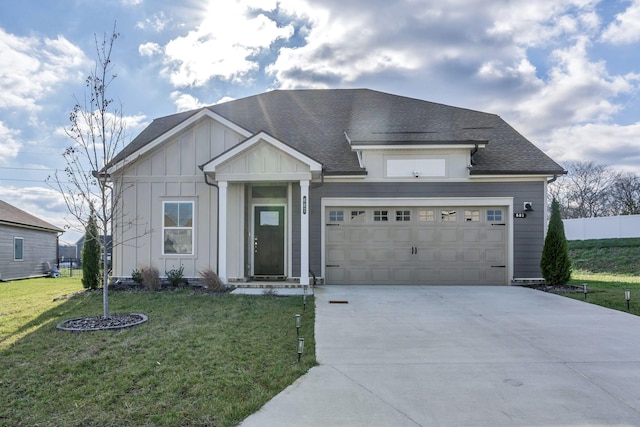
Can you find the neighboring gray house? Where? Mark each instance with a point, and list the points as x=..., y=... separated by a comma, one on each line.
x=28, y=245
x=349, y=186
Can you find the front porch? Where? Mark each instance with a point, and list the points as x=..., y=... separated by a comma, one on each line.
x=263, y=217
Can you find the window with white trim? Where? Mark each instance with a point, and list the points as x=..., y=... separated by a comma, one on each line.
x=18, y=248
x=177, y=228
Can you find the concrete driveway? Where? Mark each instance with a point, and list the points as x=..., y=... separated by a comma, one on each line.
x=463, y=356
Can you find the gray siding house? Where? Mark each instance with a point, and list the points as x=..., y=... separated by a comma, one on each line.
x=348, y=186
x=27, y=244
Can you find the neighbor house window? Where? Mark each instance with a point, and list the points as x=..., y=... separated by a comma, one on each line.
x=18, y=248
x=177, y=226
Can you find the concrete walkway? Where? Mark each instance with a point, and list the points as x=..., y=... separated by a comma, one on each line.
x=463, y=356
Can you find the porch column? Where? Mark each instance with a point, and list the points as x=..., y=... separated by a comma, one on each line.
x=222, y=231
x=304, y=232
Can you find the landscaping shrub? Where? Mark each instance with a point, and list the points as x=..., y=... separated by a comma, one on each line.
x=175, y=276
x=555, y=263
x=91, y=255
x=136, y=276
x=211, y=280
x=151, y=278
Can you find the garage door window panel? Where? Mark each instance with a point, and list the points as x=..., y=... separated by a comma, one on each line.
x=380, y=216
x=472, y=215
x=336, y=216
x=448, y=216
x=426, y=215
x=494, y=215
x=358, y=217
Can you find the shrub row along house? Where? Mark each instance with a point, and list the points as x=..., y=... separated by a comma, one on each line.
x=345, y=186
x=28, y=245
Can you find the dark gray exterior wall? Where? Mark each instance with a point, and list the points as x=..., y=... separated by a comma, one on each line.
x=39, y=248
x=528, y=233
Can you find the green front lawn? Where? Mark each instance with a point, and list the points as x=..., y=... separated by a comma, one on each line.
x=607, y=290
x=201, y=359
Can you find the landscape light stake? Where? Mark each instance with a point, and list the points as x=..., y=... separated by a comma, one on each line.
x=584, y=289
x=304, y=302
x=300, y=347
x=298, y=320
x=627, y=296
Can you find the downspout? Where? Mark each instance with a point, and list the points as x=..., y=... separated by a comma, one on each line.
x=318, y=185
x=210, y=184
x=555, y=177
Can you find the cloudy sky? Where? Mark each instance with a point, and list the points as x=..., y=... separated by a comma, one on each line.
x=565, y=73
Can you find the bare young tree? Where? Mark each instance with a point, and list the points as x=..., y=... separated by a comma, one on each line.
x=98, y=131
x=625, y=193
x=585, y=191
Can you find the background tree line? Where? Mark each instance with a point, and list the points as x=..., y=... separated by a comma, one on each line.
x=593, y=190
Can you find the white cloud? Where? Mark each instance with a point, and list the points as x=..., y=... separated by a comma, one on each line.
x=157, y=23
x=601, y=143
x=9, y=145
x=149, y=49
x=223, y=45
x=31, y=68
x=185, y=102
x=576, y=90
x=626, y=27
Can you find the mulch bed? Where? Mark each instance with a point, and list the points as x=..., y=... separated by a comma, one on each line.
x=100, y=323
x=554, y=289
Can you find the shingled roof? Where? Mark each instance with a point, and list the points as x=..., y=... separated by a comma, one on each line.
x=327, y=124
x=10, y=215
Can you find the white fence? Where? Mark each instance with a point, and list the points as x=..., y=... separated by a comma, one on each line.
x=606, y=227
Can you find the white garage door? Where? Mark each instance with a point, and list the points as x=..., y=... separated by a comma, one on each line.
x=415, y=245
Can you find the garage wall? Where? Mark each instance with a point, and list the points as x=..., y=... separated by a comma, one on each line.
x=528, y=232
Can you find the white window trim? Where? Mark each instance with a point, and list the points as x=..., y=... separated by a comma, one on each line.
x=193, y=228
x=14, y=248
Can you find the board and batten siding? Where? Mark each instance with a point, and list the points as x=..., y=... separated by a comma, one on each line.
x=528, y=233
x=170, y=172
x=39, y=247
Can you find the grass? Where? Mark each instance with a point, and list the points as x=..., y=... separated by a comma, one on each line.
x=201, y=359
x=608, y=267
